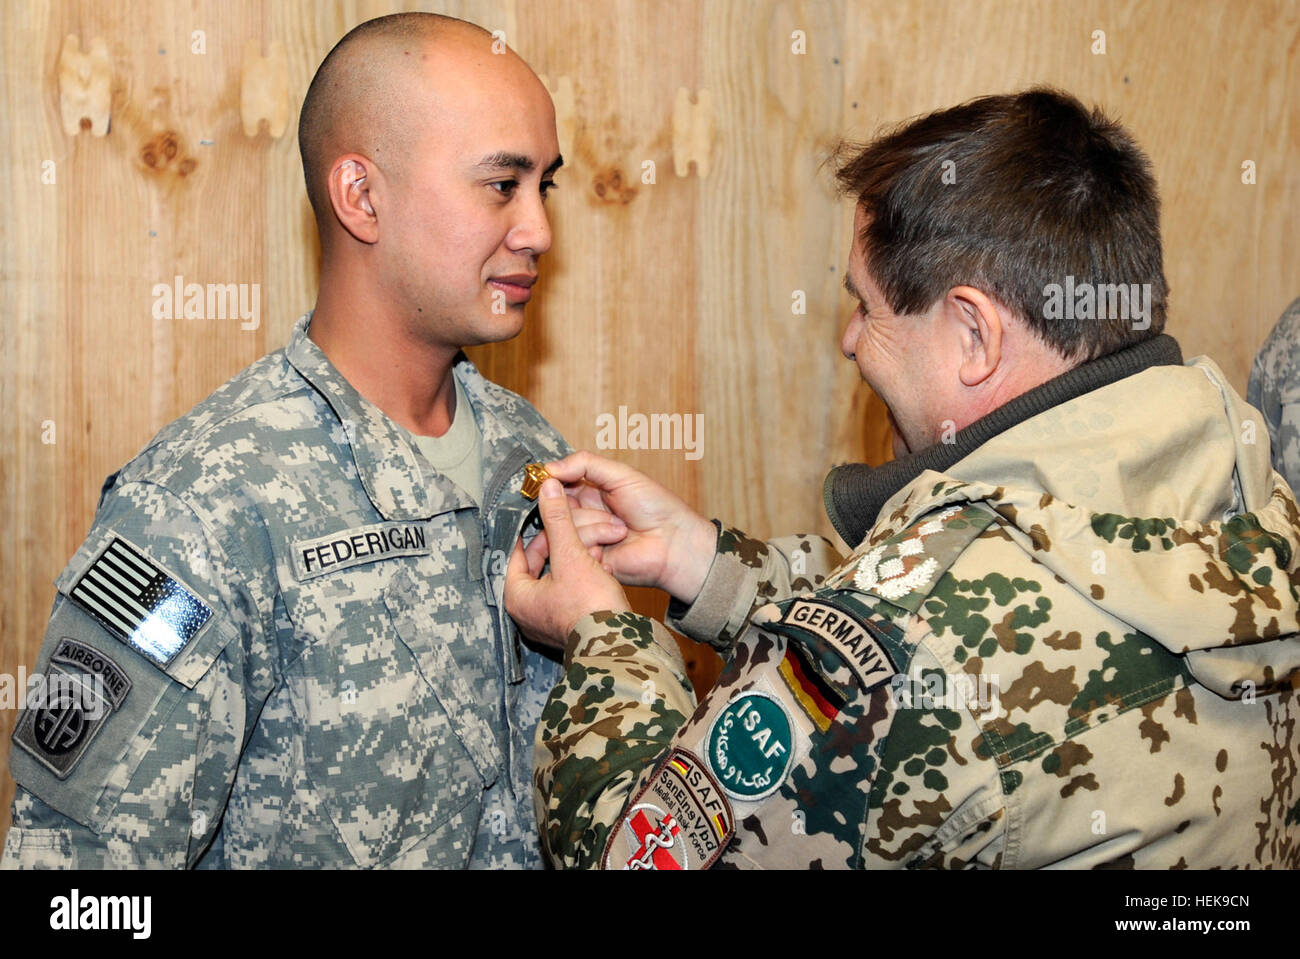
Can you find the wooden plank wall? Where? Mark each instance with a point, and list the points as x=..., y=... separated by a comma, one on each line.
x=673, y=296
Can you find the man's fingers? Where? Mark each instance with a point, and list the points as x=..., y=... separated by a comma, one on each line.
x=597, y=470
x=518, y=572
x=537, y=552
x=589, y=497
x=595, y=529
x=598, y=528
x=558, y=522
x=570, y=469
x=586, y=516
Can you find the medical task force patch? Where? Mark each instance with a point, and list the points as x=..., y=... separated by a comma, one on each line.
x=140, y=603
x=679, y=820
x=82, y=687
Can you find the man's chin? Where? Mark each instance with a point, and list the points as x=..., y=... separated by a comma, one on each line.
x=500, y=328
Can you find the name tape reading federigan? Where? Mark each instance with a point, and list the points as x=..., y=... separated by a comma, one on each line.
x=355, y=546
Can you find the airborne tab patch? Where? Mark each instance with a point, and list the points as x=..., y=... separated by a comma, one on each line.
x=849, y=636
x=679, y=820
x=139, y=603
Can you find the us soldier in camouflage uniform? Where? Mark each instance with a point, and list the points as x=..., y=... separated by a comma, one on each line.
x=1067, y=634
x=1274, y=390
x=283, y=642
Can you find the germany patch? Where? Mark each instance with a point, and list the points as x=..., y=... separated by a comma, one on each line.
x=679, y=820
x=73, y=704
x=849, y=636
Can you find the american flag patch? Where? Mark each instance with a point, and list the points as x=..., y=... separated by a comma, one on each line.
x=143, y=606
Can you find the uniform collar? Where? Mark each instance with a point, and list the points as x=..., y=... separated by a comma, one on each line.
x=386, y=460
x=855, y=494
x=513, y=434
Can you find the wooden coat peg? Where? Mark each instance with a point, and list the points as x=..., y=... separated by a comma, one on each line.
x=85, y=87
x=692, y=132
x=264, y=89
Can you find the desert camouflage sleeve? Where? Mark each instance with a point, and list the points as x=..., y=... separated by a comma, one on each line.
x=625, y=691
x=623, y=696
x=748, y=573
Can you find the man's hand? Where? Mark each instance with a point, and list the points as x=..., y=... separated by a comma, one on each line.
x=668, y=545
x=547, y=608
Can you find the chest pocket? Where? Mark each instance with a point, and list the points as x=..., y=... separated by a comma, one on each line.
x=422, y=634
x=394, y=738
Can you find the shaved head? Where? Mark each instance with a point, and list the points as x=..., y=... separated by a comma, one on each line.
x=429, y=148
x=371, y=94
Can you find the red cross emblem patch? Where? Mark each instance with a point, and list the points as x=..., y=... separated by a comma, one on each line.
x=653, y=839
x=686, y=827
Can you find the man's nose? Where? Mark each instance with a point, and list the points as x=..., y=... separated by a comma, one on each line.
x=852, y=330
x=532, y=231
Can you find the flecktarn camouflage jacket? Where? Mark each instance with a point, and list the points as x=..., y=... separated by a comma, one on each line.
x=1074, y=648
x=283, y=644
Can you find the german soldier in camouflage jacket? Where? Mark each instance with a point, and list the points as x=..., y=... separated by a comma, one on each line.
x=1067, y=633
x=283, y=643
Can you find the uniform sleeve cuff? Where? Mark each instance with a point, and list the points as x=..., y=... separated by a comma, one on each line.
x=724, y=601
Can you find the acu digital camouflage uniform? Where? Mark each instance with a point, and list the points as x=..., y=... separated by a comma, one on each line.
x=329, y=677
x=1071, y=649
x=1275, y=391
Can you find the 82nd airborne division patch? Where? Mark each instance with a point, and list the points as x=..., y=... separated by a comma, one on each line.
x=82, y=688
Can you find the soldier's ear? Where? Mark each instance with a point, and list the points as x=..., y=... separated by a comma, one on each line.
x=353, y=193
x=974, y=318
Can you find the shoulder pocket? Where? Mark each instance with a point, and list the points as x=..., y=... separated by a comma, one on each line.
x=905, y=568
x=144, y=606
x=94, y=709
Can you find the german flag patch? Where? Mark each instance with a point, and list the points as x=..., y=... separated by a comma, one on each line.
x=818, y=698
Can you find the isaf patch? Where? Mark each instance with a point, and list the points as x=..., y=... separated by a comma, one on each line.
x=679, y=820
x=750, y=745
x=81, y=689
x=848, y=635
x=140, y=603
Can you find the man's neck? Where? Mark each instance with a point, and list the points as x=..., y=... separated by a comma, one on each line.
x=369, y=343
x=1023, y=372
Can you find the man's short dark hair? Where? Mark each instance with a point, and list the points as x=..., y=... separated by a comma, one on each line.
x=1010, y=194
